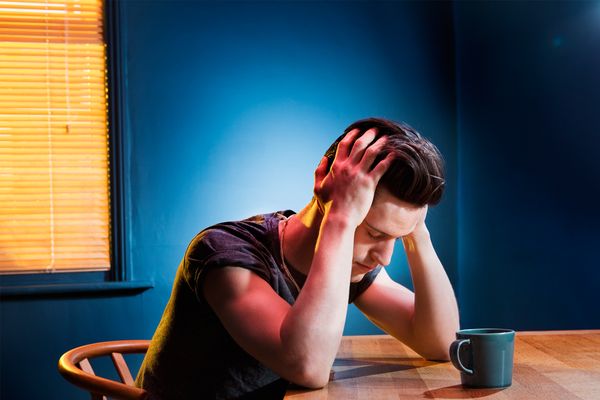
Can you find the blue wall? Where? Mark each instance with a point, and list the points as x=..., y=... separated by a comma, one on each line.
x=528, y=98
x=229, y=107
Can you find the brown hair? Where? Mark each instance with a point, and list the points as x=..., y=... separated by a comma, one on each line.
x=417, y=173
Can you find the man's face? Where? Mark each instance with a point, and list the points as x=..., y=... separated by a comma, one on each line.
x=388, y=220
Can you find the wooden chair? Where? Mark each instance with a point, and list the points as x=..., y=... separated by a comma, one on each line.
x=75, y=367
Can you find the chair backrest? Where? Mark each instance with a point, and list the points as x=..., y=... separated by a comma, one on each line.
x=75, y=367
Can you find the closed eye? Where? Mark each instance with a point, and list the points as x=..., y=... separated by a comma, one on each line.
x=377, y=235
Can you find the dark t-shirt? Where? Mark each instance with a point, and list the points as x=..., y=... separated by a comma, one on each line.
x=192, y=356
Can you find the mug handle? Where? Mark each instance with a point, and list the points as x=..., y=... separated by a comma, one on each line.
x=455, y=355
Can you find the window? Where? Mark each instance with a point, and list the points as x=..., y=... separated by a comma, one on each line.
x=54, y=147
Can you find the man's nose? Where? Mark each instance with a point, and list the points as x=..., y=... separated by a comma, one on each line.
x=382, y=253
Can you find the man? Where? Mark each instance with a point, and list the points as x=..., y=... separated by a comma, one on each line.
x=262, y=302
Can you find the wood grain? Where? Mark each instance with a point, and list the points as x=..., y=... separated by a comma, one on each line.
x=549, y=365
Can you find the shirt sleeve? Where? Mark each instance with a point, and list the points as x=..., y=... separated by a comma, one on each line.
x=217, y=248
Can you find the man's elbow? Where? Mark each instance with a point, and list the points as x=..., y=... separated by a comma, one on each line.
x=440, y=356
x=310, y=375
x=313, y=382
x=437, y=352
x=437, y=347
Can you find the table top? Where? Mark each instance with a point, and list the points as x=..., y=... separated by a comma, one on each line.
x=547, y=365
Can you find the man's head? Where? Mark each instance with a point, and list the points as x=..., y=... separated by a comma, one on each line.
x=414, y=180
x=416, y=175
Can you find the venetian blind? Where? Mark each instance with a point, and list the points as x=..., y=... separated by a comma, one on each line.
x=54, y=175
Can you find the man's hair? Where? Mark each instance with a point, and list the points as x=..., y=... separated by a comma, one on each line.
x=416, y=174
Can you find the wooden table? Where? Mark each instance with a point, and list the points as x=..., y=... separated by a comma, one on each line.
x=554, y=365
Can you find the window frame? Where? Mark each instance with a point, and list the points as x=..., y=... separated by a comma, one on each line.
x=119, y=279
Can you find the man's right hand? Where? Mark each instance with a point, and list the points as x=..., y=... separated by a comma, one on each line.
x=349, y=187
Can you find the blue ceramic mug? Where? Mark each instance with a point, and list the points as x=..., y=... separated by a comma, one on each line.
x=484, y=357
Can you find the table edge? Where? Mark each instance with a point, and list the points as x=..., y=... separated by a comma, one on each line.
x=519, y=333
x=563, y=332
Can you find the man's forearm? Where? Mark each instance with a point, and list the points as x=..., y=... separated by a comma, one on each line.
x=313, y=327
x=436, y=316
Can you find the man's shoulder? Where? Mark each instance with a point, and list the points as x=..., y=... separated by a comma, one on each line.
x=252, y=239
x=231, y=234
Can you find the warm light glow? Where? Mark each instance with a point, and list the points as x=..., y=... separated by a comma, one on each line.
x=54, y=177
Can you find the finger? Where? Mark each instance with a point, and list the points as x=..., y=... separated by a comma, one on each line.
x=361, y=144
x=343, y=149
x=382, y=167
x=321, y=171
x=372, y=152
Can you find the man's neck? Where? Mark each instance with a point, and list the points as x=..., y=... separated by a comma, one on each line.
x=301, y=236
